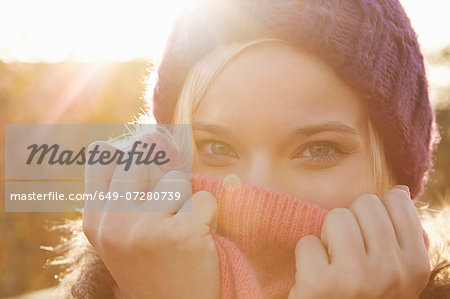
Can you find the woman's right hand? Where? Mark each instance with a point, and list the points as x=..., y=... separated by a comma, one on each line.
x=153, y=254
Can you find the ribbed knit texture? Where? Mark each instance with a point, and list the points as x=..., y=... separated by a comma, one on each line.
x=369, y=43
x=257, y=232
x=256, y=236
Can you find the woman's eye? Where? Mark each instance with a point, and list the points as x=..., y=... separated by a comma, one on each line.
x=320, y=152
x=215, y=148
x=221, y=149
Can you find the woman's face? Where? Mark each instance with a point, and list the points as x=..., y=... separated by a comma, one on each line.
x=280, y=118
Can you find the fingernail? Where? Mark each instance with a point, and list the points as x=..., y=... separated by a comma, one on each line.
x=402, y=187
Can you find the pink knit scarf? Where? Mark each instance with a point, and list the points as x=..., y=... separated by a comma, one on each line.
x=256, y=236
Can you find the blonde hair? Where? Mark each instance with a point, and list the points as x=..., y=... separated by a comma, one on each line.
x=203, y=74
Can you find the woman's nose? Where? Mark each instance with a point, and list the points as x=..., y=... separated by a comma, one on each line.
x=262, y=172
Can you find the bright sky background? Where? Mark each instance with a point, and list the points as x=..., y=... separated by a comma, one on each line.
x=87, y=30
x=431, y=20
x=90, y=30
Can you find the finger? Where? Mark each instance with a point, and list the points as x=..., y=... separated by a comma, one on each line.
x=375, y=224
x=123, y=217
x=130, y=183
x=170, y=193
x=97, y=179
x=404, y=218
x=311, y=257
x=201, y=209
x=97, y=176
x=142, y=150
x=342, y=237
x=113, y=230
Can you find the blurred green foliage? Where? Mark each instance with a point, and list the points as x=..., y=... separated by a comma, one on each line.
x=97, y=93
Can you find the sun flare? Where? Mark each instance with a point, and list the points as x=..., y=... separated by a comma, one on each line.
x=85, y=30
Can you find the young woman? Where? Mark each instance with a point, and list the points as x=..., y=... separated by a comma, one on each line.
x=317, y=112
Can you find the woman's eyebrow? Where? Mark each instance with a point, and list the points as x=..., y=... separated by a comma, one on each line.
x=326, y=126
x=213, y=128
x=305, y=131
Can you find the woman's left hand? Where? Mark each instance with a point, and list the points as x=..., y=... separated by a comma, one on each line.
x=373, y=249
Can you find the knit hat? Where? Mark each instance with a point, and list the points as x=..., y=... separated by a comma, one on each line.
x=369, y=43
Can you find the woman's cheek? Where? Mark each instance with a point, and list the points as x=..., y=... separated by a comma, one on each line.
x=334, y=187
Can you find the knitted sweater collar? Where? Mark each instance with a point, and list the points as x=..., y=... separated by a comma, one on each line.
x=256, y=236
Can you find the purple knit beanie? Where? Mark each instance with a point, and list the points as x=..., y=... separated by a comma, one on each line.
x=369, y=43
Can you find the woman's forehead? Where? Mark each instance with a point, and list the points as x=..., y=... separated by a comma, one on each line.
x=279, y=82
